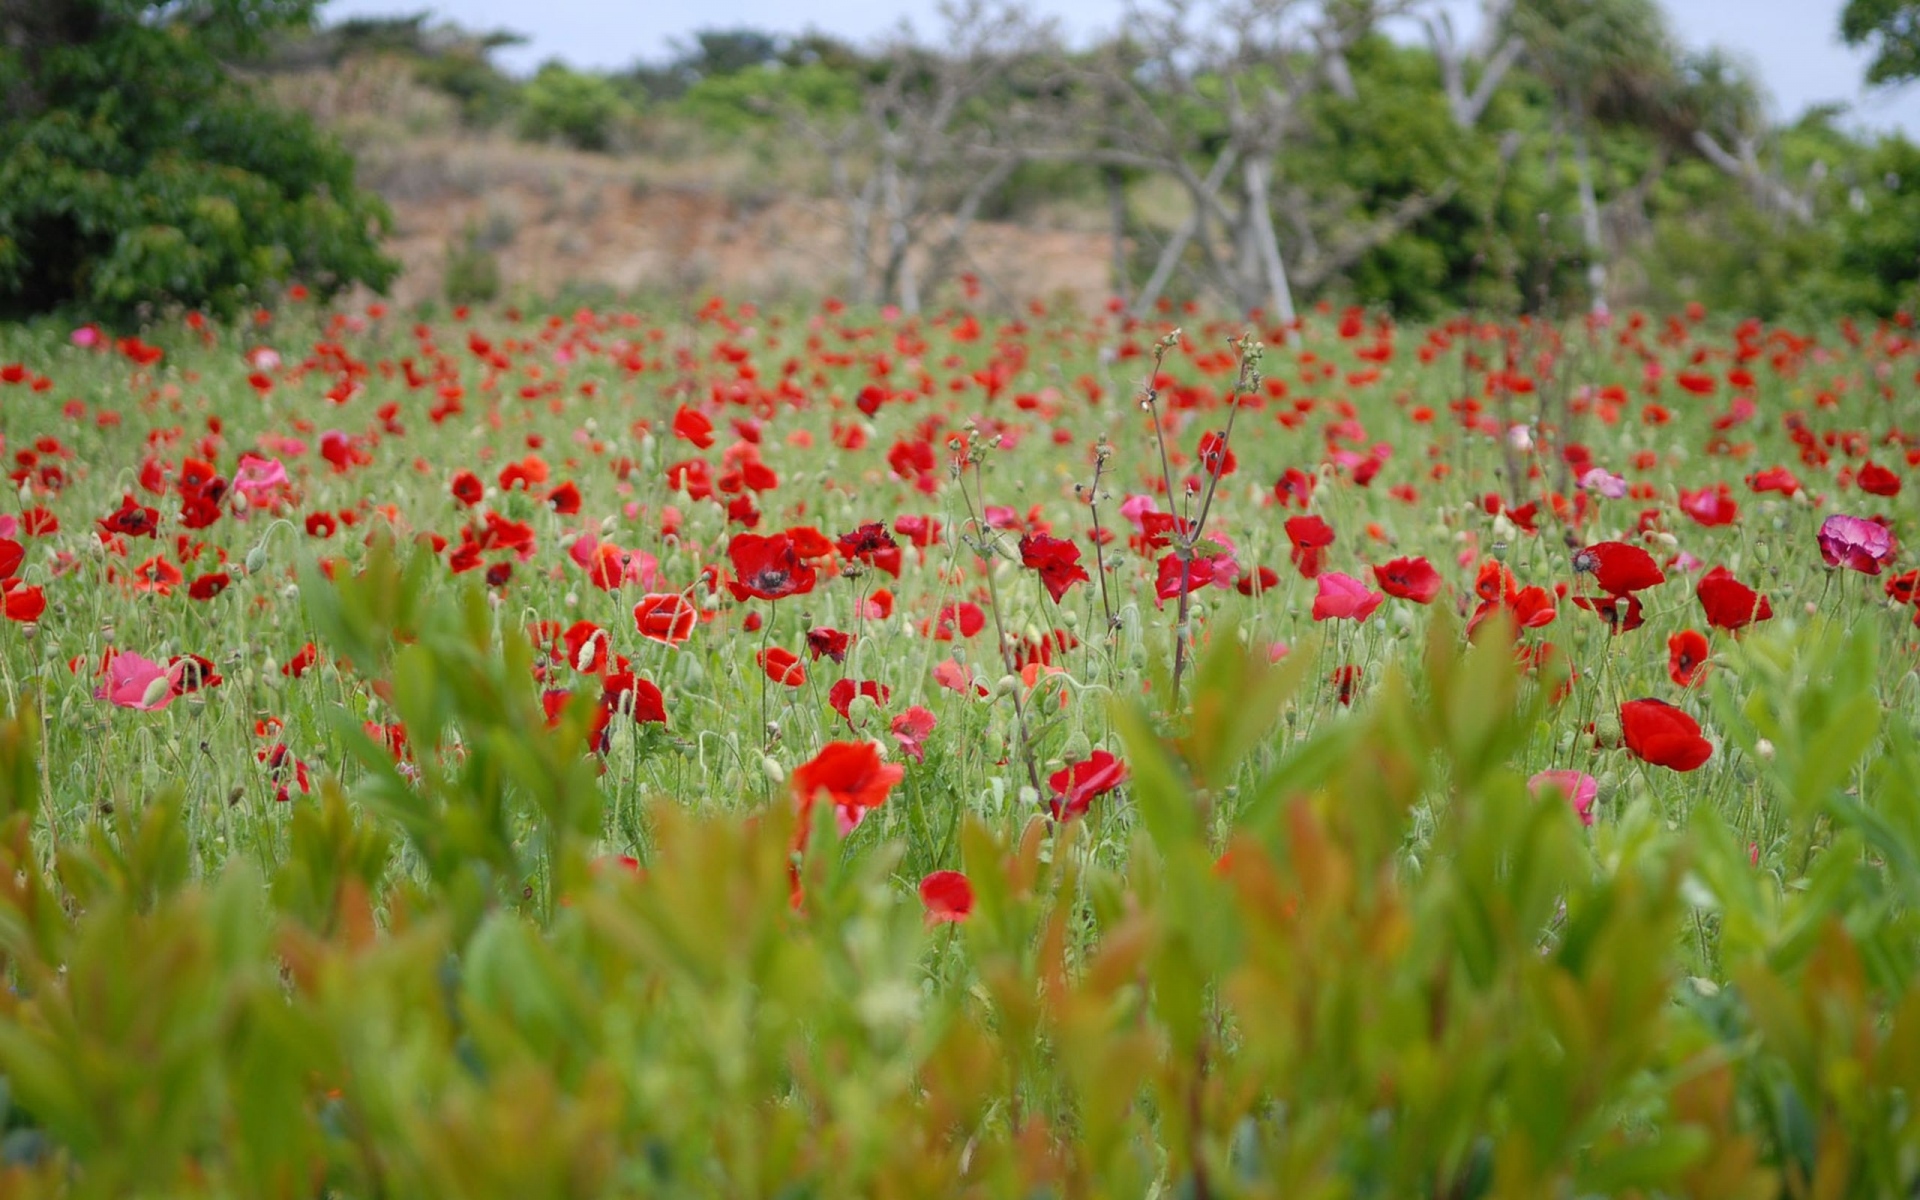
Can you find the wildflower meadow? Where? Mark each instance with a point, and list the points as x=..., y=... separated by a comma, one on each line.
x=816, y=751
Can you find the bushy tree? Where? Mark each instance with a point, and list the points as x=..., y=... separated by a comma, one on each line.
x=581, y=109
x=135, y=170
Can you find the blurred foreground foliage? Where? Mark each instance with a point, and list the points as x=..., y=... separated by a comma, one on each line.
x=440, y=991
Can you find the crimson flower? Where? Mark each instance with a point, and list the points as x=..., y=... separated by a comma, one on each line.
x=1080, y=784
x=131, y=519
x=467, y=488
x=623, y=691
x=948, y=897
x=1201, y=571
x=871, y=543
x=1260, y=579
x=665, y=617
x=1710, y=506
x=1619, y=568
x=1622, y=614
x=1730, y=604
x=19, y=602
x=768, y=567
x=1310, y=536
x=1876, y=480
x=208, y=586
x=853, y=779
x=1656, y=732
x=1057, y=560
x=1687, y=657
x=841, y=695
x=1856, y=544
x=782, y=666
x=300, y=663
x=693, y=426
x=1774, y=479
x=823, y=642
x=1408, y=579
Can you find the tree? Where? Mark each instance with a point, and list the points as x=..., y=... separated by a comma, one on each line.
x=1892, y=29
x=135, y=170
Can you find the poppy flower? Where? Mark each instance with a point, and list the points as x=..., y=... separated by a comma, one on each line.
x=956, y=676
x=623, y=691
x=1196, y=574
x=1619, y=568
x=1730, y=604
x=853, y=779
x=1346, y=683
x=965, y=618
x=133, y=681
x=1622, y=614
x=131, y=519
x=1656, y=732
x=585, y=647
x=1057, y=560
x=1342, y=597
x=769, y=567
x=12, y=554
x=782, y=666
x=1774, y=479
x=1077, y=786
x=300, y=663
x=1710, y=506
x=208, y=586
x=1876, y=480
x=1256, y=581
x=1687, y=657
x=841, y=695
x=871, y=543
x=20, y=602
x=828, y=643
x=911, y=729
x=1310, y=536
x=948, y=897
x=1856, y=544
x=1216, y=456
x=1579, y=788
x=1408, y=579
x=665, y=617
x=692, y=426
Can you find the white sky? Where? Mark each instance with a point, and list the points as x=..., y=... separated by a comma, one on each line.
x=1793, y=43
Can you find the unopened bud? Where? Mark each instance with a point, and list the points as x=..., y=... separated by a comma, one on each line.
x=774, y=771
x=160, y=686
x=1077, y=747
x=256, y=559
x=1763, y=749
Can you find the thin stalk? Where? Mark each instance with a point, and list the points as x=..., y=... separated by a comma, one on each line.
x=986, y=553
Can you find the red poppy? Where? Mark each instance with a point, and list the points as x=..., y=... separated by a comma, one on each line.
x=853, y=779
x=467, y=488
x=1619, y=568
x=841, y=695
x=565, y=499
x=1216, y=456
x=623, y=691
x=208, y=586
x=769, y=567
x=1774, y=479
x=1194, y=575
x=1621, y=614
x=694, y=427
x=300, y=663
x=1409, y=579
x=1261, y=579
x=1080, y=784
x=1687, y=657
x=321, y=525
x=1057, y=560
x=948, y=897
x=828, y=643
x=22, y=603
x=1310, y=536
x=871, y=543
x=965, y=618
x=1730, y=604
x=1876, y=480
x=1346, y=683
x=12, y=554
x=131, y=519
x=782, y=666
x=586, y=646
x=1656, y=732
x=665, y=617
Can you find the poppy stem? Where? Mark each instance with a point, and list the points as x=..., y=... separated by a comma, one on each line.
x=984, y=549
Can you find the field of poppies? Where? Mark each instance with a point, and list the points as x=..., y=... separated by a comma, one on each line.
x=717, y=752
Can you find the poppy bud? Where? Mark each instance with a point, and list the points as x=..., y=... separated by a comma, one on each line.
x=1763, y=749
x=1029, y=797
x=1606, y=729
x=861, y=709
x=1070, y=618
x=774, y=771
x=157, y=688
x=1609, y=788
x=256, y=559
x=1006, y=685
x=1077, y=747
x=1499, y=550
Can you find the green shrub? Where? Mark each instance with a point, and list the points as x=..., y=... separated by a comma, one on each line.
x=580, y=109
x=135, y=172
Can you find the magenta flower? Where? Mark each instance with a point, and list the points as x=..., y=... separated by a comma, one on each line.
x=1343, y=596
x=1579, y=788
x=131, y=681
x=1856, y=544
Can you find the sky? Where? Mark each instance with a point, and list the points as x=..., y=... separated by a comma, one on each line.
x=1794, y=44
